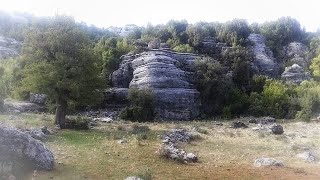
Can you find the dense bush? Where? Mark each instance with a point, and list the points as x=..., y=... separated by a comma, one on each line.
x=212, y=85
x=275, y=100
x=281, y=32
x=234, y=32
x=141, y=107
x=309, y=98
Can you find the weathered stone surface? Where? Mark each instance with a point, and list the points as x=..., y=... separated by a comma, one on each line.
x=307, y=156
x=170, y=75
x=122, y=77
x=273, y=128
x=297, y=53
x=9, y=48
x=267, y=162
x=295, y=74
x=21, y=106
x=18, y=147
x=37, y=98
x=264, y=62
x=276, y=129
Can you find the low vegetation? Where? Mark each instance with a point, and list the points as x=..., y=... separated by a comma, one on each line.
x=224, y=153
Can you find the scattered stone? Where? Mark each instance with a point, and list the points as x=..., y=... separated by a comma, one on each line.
x=253, y=121
x=172, y=152
x=262, y=162
x=238, y=124
x=105, y=120
x=307, y=156
x=267, y=120
x=45, y=130
x=133, y=178
x=177, y=135
x=276, y=129
x=169, y=149
x=19, y=147
x=122, y=141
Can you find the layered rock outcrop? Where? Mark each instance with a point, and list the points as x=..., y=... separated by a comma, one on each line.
x=297, y=53
x=9, y=48
x=170, y=75
x=264, y=63
x=295, y=74
x=297, y=59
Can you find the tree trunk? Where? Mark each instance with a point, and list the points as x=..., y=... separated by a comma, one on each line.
x=60, y=116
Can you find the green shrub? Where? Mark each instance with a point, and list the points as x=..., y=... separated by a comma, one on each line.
x=77, y=122
x=184, y=48
x=309, y=98
x=275, y=100
x=141, y=106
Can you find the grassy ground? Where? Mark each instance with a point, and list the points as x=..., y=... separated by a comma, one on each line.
x=224, y=153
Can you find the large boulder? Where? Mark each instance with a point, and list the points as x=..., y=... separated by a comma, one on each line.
x=264, y=62
x=9, y=48
x=170, y=75
x=20, y=150
x=295, y=74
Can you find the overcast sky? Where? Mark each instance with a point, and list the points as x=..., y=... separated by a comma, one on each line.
x=105, y=13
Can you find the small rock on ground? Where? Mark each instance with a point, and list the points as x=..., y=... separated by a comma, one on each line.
x=276, y=129
x=307, y=156
x=262, y=162
x=133, y=178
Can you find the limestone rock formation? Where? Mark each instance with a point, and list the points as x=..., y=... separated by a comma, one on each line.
x=297, y=53
x=9, y=48
x=264, y=62
x=295, y=74
x=170, y=75
x=19, y=148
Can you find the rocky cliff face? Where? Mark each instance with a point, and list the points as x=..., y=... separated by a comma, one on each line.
x=170, y=75
x=9, y=48
x=264, y=62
